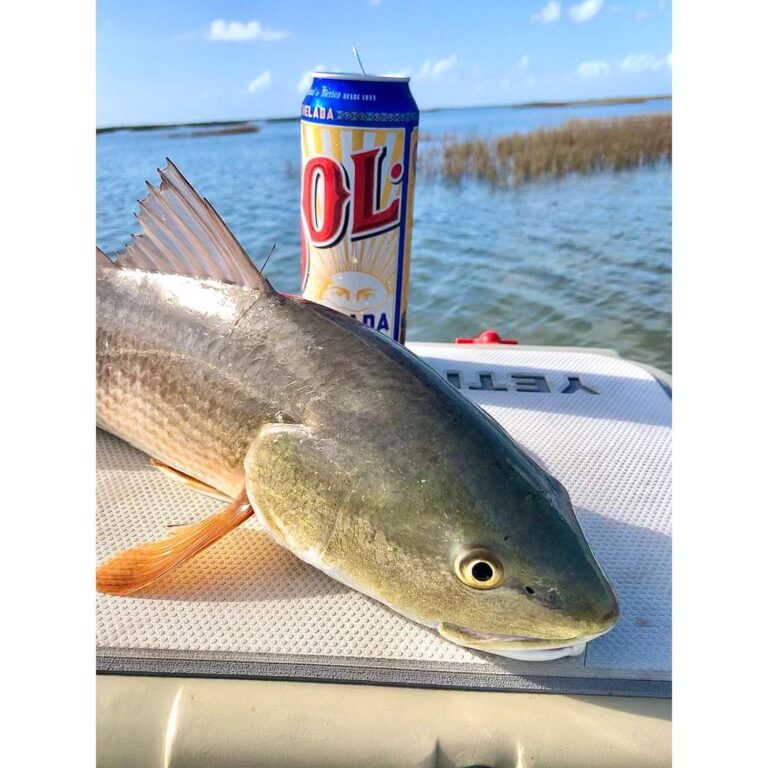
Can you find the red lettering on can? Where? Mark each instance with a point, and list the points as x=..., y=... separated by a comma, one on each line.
x=327, y=227
x=367, y=217
x=326, y=198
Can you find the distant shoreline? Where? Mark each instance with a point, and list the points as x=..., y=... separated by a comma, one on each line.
x=524, y=105
x=593, y=102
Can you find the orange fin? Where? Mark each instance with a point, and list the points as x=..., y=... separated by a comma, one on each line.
x=134, y=568
x=190, y=482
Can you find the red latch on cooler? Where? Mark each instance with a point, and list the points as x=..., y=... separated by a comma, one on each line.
x=486, y=337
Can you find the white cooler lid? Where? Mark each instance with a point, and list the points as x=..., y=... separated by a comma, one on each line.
x=248, y=608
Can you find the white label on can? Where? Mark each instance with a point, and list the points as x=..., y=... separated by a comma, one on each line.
x=352, y=218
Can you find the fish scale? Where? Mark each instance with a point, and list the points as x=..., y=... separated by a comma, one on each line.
x=186, y=408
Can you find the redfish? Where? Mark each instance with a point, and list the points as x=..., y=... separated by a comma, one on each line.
x=350, y=451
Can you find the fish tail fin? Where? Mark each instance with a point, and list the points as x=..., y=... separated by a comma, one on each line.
x=139, y=566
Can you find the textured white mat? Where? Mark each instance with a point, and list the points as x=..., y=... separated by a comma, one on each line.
x=248, y=601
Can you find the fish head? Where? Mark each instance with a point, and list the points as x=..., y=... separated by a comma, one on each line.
x=525, y=582
x=402, y=488
x=468, y=536
x=500, y=555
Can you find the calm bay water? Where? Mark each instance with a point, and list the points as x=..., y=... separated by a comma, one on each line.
x=583, y=261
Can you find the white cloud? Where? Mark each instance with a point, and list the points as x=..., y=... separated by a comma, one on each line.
x=264, y=80
x=645, y=62
x=433, y=70
x=585, y=11
x=522, y=65
x=590, y=70
x=241, y=31
x=548, y=14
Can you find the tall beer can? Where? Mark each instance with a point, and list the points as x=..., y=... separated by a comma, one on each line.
x=358, y=148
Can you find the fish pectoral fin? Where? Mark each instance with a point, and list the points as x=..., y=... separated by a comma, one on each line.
x=138, y=566
x=190, y=482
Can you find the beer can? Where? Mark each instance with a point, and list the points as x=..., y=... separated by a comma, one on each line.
x=358, y=146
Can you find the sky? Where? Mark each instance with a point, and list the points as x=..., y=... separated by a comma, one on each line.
x=164, y=61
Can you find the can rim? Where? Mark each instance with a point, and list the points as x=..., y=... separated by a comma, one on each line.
x=357, y=76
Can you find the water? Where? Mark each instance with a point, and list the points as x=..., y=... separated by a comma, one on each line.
x=582, y=261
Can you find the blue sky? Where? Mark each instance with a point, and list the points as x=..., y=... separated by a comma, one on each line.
x=163, y=61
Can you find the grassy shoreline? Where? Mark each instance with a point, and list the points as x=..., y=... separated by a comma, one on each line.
x=578, y=146
x=523, y=105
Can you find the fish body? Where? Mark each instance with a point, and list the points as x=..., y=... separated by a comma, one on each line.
x=353, y=453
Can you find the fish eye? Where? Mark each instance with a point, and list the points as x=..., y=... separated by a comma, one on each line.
x=479, y=569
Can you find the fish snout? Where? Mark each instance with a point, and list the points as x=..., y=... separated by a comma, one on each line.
x=605, y=602
x=607, y=612
x=598, y=620
x=599, y=609
x=585, y=600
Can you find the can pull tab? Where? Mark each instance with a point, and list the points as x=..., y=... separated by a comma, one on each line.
x=486, y=337
x=359, y=62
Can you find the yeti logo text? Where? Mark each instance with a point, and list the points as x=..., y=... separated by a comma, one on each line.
x=327, y=198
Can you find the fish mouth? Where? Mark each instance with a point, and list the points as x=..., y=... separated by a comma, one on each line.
x=516, y=646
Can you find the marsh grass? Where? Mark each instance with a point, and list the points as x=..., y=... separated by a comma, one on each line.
x=578, y=146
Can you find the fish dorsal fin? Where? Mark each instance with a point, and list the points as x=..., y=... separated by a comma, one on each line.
x=102, y=260
x=182, y=234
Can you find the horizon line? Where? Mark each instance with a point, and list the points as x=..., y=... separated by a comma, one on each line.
x=519, y=105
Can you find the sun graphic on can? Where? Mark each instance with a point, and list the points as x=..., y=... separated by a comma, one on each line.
x=357, y=278
x=354, y=292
